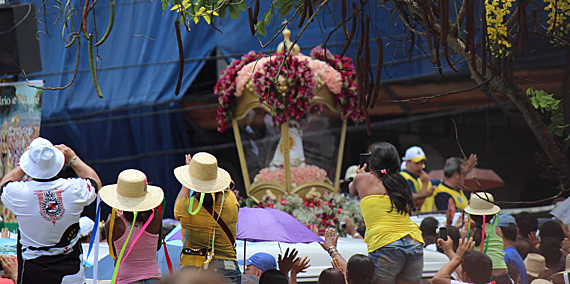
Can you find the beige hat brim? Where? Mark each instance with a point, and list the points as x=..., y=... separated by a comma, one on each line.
x=490, y=211
x=151, y=200
x=558, y=277
x=221, y=183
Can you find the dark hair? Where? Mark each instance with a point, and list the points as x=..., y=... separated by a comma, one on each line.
x=360, y=270
x=272, y=276
x=331, y=276
x=478, y=267
x=523, y=246
x=384, y=156
x=453, y=233
x=208, y=200
x=551, y=229
x=452, y=165
x=550, y=249
x=527, y=223
x=513, y=272
x=510, y=233
x=429, y=226
x=477, y=230
x=141, y=216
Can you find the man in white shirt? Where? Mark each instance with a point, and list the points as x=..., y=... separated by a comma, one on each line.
x=48, y=209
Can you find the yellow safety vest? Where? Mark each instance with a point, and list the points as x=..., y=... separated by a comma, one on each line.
x=416, y=181
x=461, y=201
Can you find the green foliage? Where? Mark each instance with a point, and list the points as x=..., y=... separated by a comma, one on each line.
x=206, y=9
x=547, y=103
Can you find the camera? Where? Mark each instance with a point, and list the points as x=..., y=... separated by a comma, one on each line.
x=342, y=225
x=443, y=233
x=364, y=159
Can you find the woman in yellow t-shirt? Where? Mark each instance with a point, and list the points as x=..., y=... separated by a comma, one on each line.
x=395, y=243
x=205, y=195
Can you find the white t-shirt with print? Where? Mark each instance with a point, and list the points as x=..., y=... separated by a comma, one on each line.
x=45, y=210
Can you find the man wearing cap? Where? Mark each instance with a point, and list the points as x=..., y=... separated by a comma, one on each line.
x=256, y=265
x=508, y=232
x=415, y=160
x=48, y=210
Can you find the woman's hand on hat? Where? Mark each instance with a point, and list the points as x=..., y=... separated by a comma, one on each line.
x=68, y=153
x=188, y=158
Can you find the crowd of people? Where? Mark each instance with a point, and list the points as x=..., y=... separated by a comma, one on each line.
x=483, y=246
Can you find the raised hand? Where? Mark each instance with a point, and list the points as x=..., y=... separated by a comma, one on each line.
x=331, y=238
x=300, y=265
x=286, y=262
x=534, y=239
x=188, y=158
x=464, y=245
x=565, y=250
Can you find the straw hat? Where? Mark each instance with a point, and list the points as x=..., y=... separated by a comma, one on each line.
x=203, y=174
x=559, y=277
x=535, y=264
x=42, y=160
x=132, y=192
x=540, y=281
x=478, y=204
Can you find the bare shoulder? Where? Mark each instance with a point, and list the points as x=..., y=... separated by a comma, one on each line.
x=368, y=184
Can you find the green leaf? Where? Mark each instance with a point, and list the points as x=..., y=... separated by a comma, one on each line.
x=267, y=17
x=241, y=6
x=234, y=12
x=285, y=10
x=182, y=20
x=223, y=12
x=260, y=28
x=164, y=4
x=192, y=10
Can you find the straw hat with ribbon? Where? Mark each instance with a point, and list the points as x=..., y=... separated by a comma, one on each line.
x=562, y=277
x=535, y=264
x=132, y=192
x=203, y=175
x=478, y=204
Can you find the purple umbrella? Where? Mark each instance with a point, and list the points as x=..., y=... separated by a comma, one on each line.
x=272, y=225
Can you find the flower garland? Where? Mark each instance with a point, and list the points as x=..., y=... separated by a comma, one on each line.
x=347, y=99
x=226, y=87
x=296, y=82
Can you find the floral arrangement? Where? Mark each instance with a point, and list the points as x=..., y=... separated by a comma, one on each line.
x=225, y=88
x=287, y=91
x=298, y=175
x=496, y=11
x=288, y=94
x=347, y=98
x=318, y=212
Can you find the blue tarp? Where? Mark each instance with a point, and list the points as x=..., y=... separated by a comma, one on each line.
x=138, y=123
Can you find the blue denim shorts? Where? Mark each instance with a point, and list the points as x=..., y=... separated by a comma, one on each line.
x=402, y=260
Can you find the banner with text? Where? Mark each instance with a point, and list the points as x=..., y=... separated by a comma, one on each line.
x=20, y=115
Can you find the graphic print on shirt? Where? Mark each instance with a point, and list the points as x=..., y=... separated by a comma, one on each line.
x=51, y=205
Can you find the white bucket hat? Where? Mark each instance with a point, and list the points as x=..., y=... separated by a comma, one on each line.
x=42, y=160
x=132, y=192
x=478, y=204
x=203, y=174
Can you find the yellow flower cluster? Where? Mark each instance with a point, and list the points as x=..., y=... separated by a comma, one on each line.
x=558, y=12
x=194, y=11
x=496, y=14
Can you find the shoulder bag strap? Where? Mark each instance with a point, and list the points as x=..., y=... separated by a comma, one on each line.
x=221, y=223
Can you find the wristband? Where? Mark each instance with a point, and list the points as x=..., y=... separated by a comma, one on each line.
x=73, y=160
x=333, y=251
x=355, y=235
x=331, y=248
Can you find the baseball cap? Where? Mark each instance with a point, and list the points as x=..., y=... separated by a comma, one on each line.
x=506, y=220
x=261, y=260
x=414, y=154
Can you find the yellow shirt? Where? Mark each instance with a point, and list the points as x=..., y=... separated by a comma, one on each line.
x=384, y=227
x=200, y=228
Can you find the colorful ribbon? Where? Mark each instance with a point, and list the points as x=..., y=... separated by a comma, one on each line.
x=110, y=236
x=116, y=272
x=136, y=238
